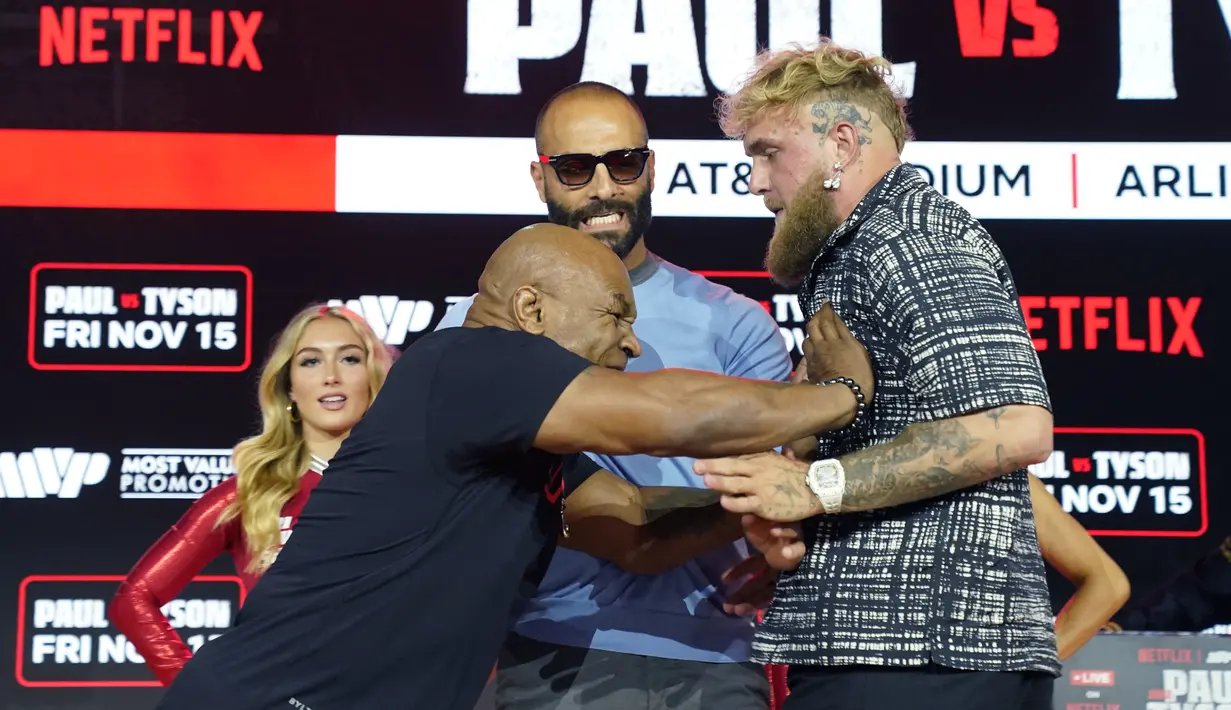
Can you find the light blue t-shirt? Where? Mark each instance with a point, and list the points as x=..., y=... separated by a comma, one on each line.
x=683, y=321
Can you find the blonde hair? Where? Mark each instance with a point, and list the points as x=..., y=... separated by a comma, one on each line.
x=787, y=79
x=268, y=465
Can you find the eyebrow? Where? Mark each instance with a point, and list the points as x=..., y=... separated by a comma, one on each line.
x=314, y=349
x=621, y=305
x=758, y=147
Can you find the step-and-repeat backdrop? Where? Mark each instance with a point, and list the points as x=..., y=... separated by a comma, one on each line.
x=176, y=181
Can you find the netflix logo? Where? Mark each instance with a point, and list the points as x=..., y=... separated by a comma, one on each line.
x=1169, y=655
x=1096, y=678
x=75, y=35
x=1155, y=324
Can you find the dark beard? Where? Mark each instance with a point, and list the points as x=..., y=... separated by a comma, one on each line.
x=637, y=213
x=808, y=221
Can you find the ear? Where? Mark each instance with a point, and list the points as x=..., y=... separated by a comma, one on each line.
x=847, y=141
x=650, y=169
x=536, y=174
x=528, y=310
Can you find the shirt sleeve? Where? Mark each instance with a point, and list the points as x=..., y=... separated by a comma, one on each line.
x=578, y=470
x=957, y=316
x=493, y=390
x=757, y=349
x=456, y=315
x=162, y=573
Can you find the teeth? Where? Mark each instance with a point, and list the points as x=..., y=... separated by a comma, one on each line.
x=604, y=219
x=334, y=399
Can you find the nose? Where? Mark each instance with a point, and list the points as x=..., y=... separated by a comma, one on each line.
x=631, y=346
x=758, y=181
x=331, y=374
x=601, y=185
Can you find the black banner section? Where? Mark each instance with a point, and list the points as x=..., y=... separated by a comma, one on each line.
x=64, y=639
x=140, y=317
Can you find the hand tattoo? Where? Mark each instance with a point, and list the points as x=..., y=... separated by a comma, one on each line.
x=831, y=112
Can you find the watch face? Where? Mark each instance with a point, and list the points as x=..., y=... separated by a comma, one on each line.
x=825, y=468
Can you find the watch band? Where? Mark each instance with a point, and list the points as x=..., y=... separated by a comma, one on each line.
x=827, y=481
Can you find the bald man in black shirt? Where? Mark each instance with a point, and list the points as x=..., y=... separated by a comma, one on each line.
x=443, y=506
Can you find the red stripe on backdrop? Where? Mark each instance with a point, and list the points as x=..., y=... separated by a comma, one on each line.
x=181, y=171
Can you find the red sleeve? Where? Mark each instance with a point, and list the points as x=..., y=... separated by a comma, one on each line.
x=162, y=573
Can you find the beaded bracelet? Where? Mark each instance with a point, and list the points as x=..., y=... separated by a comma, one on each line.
x=861, y=405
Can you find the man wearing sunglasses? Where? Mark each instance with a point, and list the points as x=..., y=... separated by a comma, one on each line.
x=655, y=630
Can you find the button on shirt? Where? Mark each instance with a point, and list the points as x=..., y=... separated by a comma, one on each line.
x=956, y=580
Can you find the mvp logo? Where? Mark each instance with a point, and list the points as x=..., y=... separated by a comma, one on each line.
x=47, y=471
x=75, y=35
x=390, y=317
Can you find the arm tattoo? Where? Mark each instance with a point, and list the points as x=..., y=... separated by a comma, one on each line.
x=831, y=112
x=927, y=460
x=677, y=512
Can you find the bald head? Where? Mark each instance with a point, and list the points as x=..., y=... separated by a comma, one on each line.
x=583, y=99
x=551, y=280
x=547, y=256
x=586, y=121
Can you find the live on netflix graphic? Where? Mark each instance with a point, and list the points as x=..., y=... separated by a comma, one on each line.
x=140, y=317
x=65, y=640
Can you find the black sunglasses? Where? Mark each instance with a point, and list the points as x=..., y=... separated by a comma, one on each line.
x=577, y=169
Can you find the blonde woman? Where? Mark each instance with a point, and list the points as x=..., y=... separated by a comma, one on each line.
x=324, y=372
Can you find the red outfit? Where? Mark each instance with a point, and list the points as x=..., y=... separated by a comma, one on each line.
x=177, y=557
x=777, y=686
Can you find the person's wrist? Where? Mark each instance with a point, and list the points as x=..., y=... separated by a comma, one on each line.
x=856, y=404
x=826, y=479
x=816, y=507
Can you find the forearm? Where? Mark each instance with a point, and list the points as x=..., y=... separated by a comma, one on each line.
x=653, y=530
x=1090, y=608
x=136, y=613
x=710, y=416
x=930, y=459
x=682, y=523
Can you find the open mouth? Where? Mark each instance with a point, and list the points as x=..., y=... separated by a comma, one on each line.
x=603, y=220
x=333, y=402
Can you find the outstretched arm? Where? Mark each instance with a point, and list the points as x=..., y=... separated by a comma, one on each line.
x=645, y=530
x=686, y=413
x=689, y=413
x=649, y=530
x=1101, y=585
x=929, y=459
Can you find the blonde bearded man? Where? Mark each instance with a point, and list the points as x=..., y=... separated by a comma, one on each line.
x=923, y=586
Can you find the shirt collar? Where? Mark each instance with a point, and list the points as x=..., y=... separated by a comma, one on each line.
x=899, y=180
x=318, y=464
x=643, y=271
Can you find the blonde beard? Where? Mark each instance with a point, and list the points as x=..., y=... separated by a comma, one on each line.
x=807, y=222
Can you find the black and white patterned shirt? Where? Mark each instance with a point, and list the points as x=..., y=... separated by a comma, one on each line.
x=956, y=580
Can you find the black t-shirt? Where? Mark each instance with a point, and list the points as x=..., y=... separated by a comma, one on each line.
x=398, y=586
